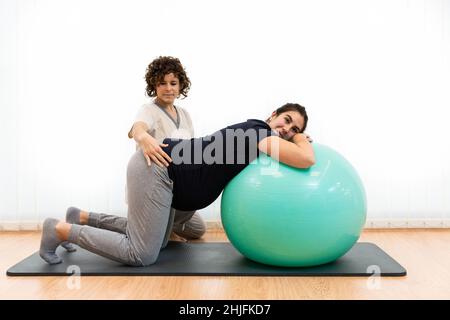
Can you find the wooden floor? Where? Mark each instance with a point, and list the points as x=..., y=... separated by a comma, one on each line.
x=425, y=253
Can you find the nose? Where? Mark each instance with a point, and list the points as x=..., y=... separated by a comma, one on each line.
x=166, y=86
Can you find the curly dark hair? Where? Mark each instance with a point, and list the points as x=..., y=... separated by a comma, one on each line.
x=162, y=66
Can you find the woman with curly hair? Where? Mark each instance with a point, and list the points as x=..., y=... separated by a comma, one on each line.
x=166, y=81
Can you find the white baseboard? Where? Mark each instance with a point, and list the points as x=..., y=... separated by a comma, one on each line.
x=20, y=226
x=212, y=225
x=407, y=223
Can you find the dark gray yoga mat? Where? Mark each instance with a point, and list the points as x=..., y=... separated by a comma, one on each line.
x=214, y=259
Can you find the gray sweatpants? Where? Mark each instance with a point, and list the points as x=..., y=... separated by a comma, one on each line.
x=188, y=224
x=137, y=239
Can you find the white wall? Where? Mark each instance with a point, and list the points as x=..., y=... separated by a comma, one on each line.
x=374, y=76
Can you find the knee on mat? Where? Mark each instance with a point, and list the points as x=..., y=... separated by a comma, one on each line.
x=147, y=259
x=138, y=258
x=189, y=231
x=199, y=231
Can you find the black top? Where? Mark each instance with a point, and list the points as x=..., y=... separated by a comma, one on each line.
x=201, y=167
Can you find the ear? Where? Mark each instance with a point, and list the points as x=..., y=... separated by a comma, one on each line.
x=273, y=115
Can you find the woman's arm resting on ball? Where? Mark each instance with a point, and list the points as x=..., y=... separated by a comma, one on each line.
x=298, y=153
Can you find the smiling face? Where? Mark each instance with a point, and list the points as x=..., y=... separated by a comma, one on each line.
x=287, y=124
x=168, y=89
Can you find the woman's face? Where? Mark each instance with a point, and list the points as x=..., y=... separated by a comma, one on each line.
x=168, y=89
x=287, y=124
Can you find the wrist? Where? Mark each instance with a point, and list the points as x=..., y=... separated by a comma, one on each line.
x=299, y=137
x=141, y=136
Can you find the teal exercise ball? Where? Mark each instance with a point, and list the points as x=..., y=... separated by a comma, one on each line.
x=279, y=215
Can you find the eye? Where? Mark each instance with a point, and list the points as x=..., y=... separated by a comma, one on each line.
x=287, y=119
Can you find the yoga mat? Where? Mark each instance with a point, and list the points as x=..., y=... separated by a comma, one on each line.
x=210, y=259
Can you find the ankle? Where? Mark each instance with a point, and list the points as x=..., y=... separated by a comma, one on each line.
x=84, y=217
x=62, y=230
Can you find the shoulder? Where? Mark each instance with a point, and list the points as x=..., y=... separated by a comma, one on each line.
x=257, y=123
x=183, y=112
x=149, y=109
x=147, y=113
x=185, y=117
x=260, y=127
x=149, y=106
x=253, y=124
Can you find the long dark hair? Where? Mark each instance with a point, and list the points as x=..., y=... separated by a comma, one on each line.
x=294, y=107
